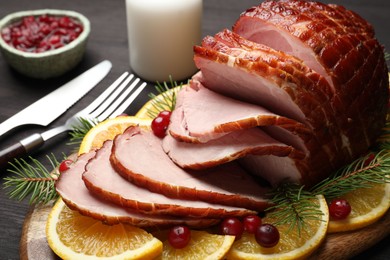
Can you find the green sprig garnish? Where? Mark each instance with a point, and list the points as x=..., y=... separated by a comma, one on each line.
x=32, y=179
x=80, y=130
x=293, y=205
x=168, y=97
x=362, y=173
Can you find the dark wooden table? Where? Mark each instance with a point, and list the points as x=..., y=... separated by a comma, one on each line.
x=108, y=40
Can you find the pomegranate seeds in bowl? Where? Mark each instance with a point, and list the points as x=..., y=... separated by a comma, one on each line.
x=41, y=33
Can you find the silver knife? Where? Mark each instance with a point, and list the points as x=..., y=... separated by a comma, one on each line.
x=54, y=104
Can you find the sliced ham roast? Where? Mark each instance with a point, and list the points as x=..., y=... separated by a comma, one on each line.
x=71, y=188
x=202, y=115
x=340, y=46
x=225, y=149
x=104, y=182
x=250, y=71
x=148, y=166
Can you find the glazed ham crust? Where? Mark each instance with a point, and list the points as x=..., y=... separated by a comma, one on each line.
x=339, y=45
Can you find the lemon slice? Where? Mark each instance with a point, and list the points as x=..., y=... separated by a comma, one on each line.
x=74, y=236
x=291, y=245
x=108, y=129
x=202, y=245
x=368, y=205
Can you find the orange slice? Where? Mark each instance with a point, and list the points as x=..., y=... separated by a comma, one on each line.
x=108, y=129
x=74, y=236
x=202, y=245
x=291, y=245
x=159, y=103
x=368, y=205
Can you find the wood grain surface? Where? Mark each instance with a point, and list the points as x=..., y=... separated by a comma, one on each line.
x=33, y=244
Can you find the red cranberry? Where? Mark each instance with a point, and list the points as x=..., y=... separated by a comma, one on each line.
x=29, y=33
x=65, y=165
x=267, y=235
x=339, y=209
x=233, y=227
x=160, y=123
x=251, y=223
x=165, y=114
x=179, y=236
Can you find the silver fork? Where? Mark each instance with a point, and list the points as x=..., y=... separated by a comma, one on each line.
x=111, y=103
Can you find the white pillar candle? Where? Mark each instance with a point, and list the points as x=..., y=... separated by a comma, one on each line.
x=161, y=35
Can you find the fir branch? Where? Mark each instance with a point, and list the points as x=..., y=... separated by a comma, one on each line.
x=80, y=130
x=32, y=179
x=387, y=56
x=362, y=173
x=293, y=206
x=168, y=98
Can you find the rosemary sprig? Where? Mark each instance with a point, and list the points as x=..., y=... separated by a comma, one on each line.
x=32, y=179
x=168, y=97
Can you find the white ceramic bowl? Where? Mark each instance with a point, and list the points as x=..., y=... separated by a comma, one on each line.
x=50, y=63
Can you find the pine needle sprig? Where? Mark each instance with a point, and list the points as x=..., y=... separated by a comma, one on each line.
x=80, y=130
x=32, y=179
x=362, y=173
x=293, y=205
x=168, y=97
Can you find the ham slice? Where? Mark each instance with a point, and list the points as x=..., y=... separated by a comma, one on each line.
x=73, y=192
x=103, y=181
x=202, y=115
x=340, y=46
x=225, y=149
x=148, y=166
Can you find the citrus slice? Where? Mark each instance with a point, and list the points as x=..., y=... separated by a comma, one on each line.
x=108, y=129
x=202, y=245
x=291, y=244
x=368, y=205
x=159, y=103
x=74, y=236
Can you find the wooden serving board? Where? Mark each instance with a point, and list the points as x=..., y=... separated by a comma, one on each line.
x=33, y=244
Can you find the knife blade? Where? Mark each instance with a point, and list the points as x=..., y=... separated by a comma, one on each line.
x=45, y=110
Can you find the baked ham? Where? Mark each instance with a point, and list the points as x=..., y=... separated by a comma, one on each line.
x=71, y=188
x=103, y=181
x=201, y=115
x=149, y=167
x=286, y=85
x=339, y=45
x=227, y=148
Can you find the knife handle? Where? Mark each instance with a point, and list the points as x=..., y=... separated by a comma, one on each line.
x=20, y=149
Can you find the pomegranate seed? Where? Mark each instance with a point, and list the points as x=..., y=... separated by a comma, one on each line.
x=65, y=165
x=233, y=227
x=179, y=236
x=267, y=235
x=251, y=223
x=339, y=209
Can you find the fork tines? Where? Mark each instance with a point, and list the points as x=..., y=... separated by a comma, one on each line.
x=116, y=98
